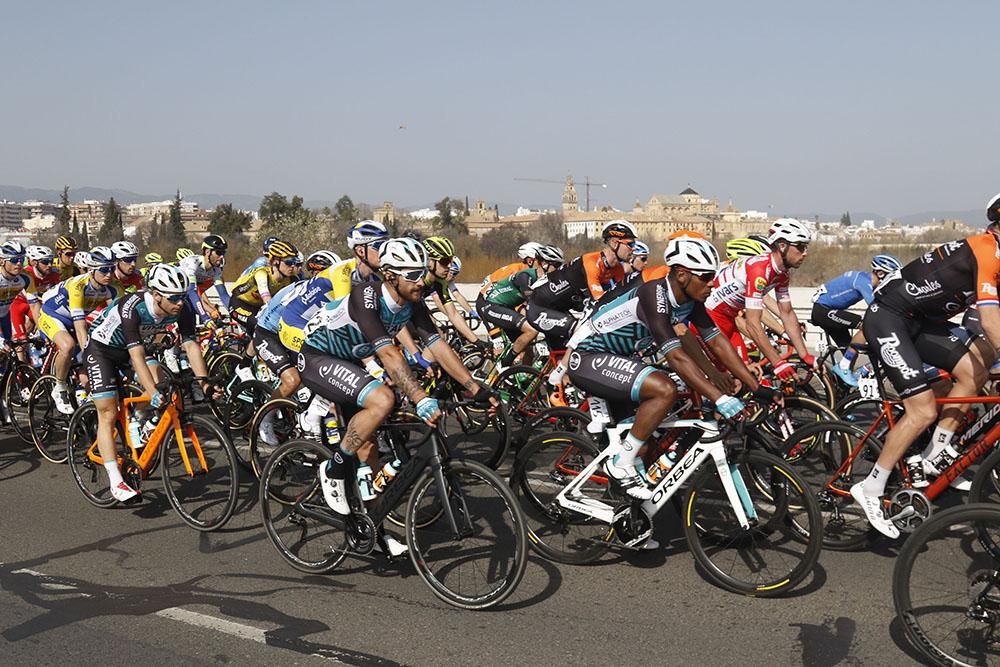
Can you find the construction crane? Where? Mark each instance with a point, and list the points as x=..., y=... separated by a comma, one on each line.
x=587, y=183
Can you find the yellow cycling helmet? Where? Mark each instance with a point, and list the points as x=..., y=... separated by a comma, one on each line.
x=438, y=247
x=281, y=250
x=66, y=243
x=153, y=258
x=744, y=247
x=184, y=252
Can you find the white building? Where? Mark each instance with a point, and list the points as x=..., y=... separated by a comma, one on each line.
x=150, y=209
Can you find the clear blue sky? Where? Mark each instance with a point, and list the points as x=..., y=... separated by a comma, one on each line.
x=882, y=106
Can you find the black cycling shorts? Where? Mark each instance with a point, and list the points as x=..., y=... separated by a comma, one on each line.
x=553, y=324
x=904, y=344
x=973, y=323
x=269, y=349
x=610, y=376
x=104, y=367
x=244, y=313
x=502, y=317
x=837, y=322
x=338, y=381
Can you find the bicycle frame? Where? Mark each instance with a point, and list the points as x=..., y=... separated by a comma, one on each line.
x=710, y=445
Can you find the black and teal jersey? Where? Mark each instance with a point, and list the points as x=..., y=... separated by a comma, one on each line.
x=129, y=321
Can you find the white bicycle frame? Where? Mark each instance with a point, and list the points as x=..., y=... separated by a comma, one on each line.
x=709, y=445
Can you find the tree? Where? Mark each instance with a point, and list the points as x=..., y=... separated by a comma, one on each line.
x=62, y=221
x=84, y=238
x=845, y=220
x=174, y=232
x=503, y=241
x=111, y=230
x=76, y=227
x=451, y=217
x=345, y=211
x=227, y=221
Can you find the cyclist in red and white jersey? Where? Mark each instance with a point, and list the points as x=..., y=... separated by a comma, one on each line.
x=741, y=286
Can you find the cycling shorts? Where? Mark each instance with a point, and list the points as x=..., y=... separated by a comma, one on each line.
x=20, y=312
x=270, y=350
x=837, y=322
x=244, y=313
x=338, y=381
x=50, y=325
x=972, y=322
x=556, y=326
x=727, y=327
x=104, y=367
x=903, y=344
x=291, y=337
x=502, y=317
x=609, y=376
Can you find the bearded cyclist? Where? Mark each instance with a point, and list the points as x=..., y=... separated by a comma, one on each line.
x=126, y=278
x=204, y=274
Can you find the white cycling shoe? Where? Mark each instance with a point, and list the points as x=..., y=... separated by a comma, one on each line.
x=874, y=510
x=396, y=548
x=628, y=477
x=266, y=430
x=61, y=398
x=123, y=492
x=334, y=492
x=959, y=483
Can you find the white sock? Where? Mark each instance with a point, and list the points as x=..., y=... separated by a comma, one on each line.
x=845, y=364
x=875, y=482
x=114, y=474
x=940, y=440
x=62, y=385
x=630, y=449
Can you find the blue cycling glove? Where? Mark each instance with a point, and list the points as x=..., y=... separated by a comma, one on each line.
x=729, y=406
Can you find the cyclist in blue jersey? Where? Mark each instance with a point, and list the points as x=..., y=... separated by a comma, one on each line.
x=830, y=304
x=641, y=322
x=358, y=326
x=116, y=347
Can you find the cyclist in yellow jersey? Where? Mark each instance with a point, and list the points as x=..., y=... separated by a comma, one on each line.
x=66, y=249
x=255, y=289
x=64, y=313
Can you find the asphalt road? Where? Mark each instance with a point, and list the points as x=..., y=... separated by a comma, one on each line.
x=136, y=586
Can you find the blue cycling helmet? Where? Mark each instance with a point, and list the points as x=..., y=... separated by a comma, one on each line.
x=365, y=232
x=640, y=249
x=885, y=263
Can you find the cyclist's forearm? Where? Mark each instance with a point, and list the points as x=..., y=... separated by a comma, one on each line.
x=405, y=339
x=195, y=358
x=80, y=327
x=730, y=358
x=395, y=365
x=452, y=365
x=691, y=374
x=794, y=331
x=459, y=322
x=759, y=337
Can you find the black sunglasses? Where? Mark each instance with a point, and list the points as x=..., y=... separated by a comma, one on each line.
x=801, y=247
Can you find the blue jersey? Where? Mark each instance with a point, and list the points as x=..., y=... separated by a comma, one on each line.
x=269, y=316
x=846, y=290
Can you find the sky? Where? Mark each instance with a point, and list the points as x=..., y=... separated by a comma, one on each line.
x=890, y=107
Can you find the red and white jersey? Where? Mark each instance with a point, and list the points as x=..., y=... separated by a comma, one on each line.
x=743, y=284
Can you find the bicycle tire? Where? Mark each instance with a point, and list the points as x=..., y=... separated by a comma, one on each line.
x=523, y=390
x=203, y=508
x=290, y=480
x=44, y=420
x=17, y=398
x=965, y=577
x=474, y=439
x=815, y=384
x=502, y=559
x=720, y=545
x=89, y=475
x=544, y=466
x=222, y=365
x=286, y=427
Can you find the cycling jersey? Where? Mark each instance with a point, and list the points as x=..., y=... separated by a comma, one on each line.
x=269, y=317
x=66, y=272
x=130, y=321
x=251, y=288
x=587, y=276
x=39, y=284
x=128, y=284
x=10, y=288
x=254, y=265
x=945, y=281
x=498, y=275
x=72, y=299
x=365, y=321
x=511, y=291
x=845, y=290
x=201, y=276
x=743, y=284
x=434, y=285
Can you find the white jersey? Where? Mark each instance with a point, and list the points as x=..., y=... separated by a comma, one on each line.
x=743, y=284
x=194, y=267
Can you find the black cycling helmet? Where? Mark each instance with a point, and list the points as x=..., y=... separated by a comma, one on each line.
x=993, y=209
x=214, y=242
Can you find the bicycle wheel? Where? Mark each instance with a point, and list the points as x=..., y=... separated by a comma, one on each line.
x=544, y=467
x=783, y=543
x=815, y=384
x=285, y=416
x=523, y=390
x=825, y=448
x=476, y=435
x=289, y=495
x=45, y=423
x=17, y=397
x=241, y=406
x=89, y=475
x=205, y=494
x=946, y=587
x=223, y=366
x=482, y=562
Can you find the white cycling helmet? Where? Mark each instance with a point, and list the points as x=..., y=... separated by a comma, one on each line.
x=168, y=279
x=123, y=249
x=455, y=267
x=402, y=254
x=618, y=229
x=12, y=250
x=696, y=255
x=529, y=250
x=98, y=256
x=37, y=252
x=551, y=254
x=640, y=249
x=789, y=230
x=82, y=259
x=365, y=232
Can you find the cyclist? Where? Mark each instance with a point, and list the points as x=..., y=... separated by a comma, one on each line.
x=126, y=278
x=151, y=259
x=454, y=269
x=586, y=277
x=334, y=282
x=254, y=289
x=204, y=273
x=63, y=319
x=908, y=324
x=640, y=258
x=116, y=346
x=830, y=304
x=500, y=303
x=28, y=304
x=641, y=322
x=262, y=259
x=181, y=254
x=320, y=260
x=14, y=282
x=358, y=326
x=440, y=252
x=746, y=246
x=66, y=249
x=743, y=284
x=527, y=254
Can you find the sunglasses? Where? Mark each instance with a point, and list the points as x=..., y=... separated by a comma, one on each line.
x=16, y=260
x=174, y=298
x=706, y=277
x=105, y=269
x=47, y=260
x=220, y=253
x=413, y=276
x=292, y=262
x=129, y=260
x=69, y=253
x=801, y=247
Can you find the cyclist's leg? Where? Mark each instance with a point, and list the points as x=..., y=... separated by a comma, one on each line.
x=102, y=372
x=554, y=325
x=278, y=360
x=59, y=333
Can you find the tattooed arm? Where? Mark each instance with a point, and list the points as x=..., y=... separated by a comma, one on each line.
x=395, y=365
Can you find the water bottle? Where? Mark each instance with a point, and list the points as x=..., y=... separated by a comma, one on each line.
x=333, y=431
x=365, y=482
x=660, y=467
x=148, y=427
x=133, y=430
x=36, y=356
x=386, y=475
x=185, y=365
x=81, y=395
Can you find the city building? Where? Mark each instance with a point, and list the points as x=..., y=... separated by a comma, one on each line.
x=11, y=214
